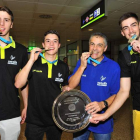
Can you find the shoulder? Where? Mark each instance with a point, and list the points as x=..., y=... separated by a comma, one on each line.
x=20, y=47
x=62, y=63
x=125, y=51
x=113, y=64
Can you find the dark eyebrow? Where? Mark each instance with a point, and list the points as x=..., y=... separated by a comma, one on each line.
x=7, y=18
x=134, y=23
x=54, y=39
x=92, y=42
x=100, y=44
x=130, y=25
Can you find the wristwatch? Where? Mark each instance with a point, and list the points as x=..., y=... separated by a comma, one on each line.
x=105, y=103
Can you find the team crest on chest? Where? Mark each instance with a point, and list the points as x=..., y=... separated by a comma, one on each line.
x=59, y=78
x=12, y=60
x=102, y=81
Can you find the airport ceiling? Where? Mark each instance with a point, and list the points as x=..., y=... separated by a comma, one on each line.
x=65, y=17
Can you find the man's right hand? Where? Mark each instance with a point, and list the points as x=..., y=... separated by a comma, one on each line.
x=84, y=58
x=34, y=54
x=136, y=45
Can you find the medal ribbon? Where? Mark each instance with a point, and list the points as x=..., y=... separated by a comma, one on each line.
x=94, y=60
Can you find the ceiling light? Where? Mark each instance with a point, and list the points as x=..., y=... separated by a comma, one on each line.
x=90, y=30
x=68, y=40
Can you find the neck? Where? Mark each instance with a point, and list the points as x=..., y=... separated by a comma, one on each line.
x=6, y=37
x=94, y=63
x=100, y=59
x=50, y=57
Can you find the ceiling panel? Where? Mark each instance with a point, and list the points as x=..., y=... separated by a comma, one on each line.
x=22, y=0
x=116, y=15
x=128, y=0
x=113, y=5
x=83, y=3
x=67, y=18
x=48, y=8
x=23, y=14
x=135, y=7
x=20, y=6
x=1, y=3
x=43, y=21
x=29, y=0
x=71, y=10
x=56, y=2
x=53, y=16
x=23, y=21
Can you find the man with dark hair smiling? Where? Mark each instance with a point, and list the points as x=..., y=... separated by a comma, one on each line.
x=129, y=62
x=13, y=57
x=46, y=75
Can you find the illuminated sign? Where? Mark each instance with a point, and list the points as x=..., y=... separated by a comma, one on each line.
x=30, y=48
x=94, y=14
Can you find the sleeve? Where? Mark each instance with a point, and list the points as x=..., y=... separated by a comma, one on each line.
x=115, y=80
x=125, y=69
x=65, y=82
x=76, y=68
x=24, y=58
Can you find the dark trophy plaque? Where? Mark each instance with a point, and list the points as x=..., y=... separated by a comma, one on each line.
x=68, y=110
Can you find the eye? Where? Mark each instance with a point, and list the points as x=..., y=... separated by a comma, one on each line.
x=7, y=20
x=133, y=25
x=100, y=45
x=125, y=28
x=55, y=41
x=47, y=41
x=91, y=44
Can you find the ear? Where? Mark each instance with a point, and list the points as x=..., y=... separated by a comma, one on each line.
x=12, y=25
x=43, y=44
x=105, y=48
x=59, y=45
x=122, y=33
x=139, y=25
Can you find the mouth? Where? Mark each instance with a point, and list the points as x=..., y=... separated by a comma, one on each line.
x=47, y=50
x=94, y=52
x=133, y=37
x=1, y=30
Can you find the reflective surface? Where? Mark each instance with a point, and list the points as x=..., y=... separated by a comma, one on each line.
x=69, y=111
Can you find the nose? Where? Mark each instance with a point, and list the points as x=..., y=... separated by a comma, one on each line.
x=1, y=22
x=131, y=29
x=95, y=47
x=51, y=43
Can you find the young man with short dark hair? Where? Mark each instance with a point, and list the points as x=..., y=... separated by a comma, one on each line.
x=13, y=57
x=129, y=62
x=46, y=76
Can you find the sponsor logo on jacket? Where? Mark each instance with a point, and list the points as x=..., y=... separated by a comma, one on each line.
x=102, y=83
x=59, y=78
x=12, y=61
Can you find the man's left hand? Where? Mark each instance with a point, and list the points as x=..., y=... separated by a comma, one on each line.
x=94, y=107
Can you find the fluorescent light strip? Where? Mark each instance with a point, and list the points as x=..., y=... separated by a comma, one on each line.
x=93, y=20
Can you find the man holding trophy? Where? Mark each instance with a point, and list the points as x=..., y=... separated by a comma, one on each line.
x=98, y=77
